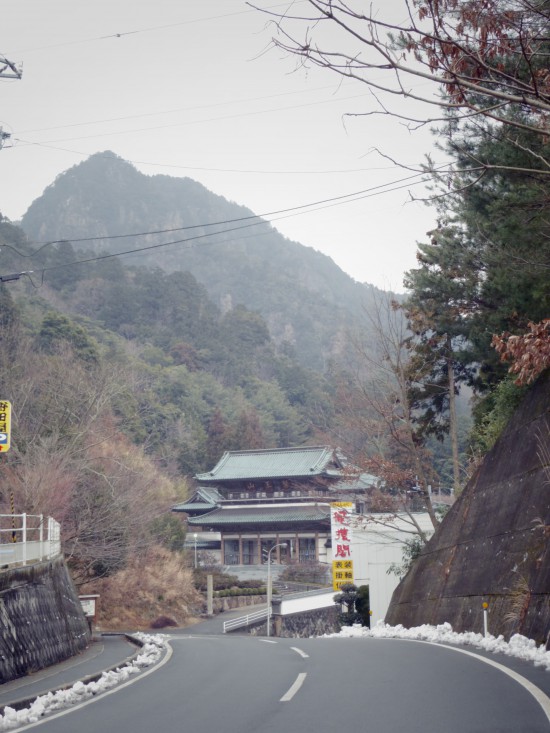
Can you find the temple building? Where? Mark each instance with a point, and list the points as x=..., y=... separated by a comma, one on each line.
x=260, y=498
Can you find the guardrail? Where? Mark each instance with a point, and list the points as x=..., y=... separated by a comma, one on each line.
x=237, y=623
x=27, y=538
x=287, y=603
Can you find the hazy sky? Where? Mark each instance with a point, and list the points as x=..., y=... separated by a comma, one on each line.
x=187, y=88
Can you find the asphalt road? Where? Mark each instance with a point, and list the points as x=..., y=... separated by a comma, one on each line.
x=242, y=684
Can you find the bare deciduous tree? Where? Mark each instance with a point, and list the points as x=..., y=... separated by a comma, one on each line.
x=376, y=404
x=70, y=460
x=485, y=63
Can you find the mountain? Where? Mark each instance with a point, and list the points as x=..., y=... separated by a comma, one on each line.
x=308, y=302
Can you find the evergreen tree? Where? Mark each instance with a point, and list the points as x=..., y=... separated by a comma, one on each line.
x=443, y=291
x=58, y=329
x=485, y=270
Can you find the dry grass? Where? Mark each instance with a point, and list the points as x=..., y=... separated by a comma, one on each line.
x=150, y=586
x=519, y=601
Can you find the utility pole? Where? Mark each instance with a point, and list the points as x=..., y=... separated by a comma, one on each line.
x=3, y=137
x=8, y=70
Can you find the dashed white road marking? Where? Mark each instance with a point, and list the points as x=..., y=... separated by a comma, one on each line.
x=300, y=652
x=299, y=681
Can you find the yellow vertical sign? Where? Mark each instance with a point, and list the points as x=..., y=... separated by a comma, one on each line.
x=342, y=573
x=341, y=536
x=5, y=425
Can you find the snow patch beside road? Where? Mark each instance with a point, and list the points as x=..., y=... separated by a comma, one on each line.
x=151, y=652
x=519, y=646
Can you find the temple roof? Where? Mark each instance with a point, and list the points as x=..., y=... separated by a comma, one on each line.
x=275, y=463
x=256, y=515
x=204, y=499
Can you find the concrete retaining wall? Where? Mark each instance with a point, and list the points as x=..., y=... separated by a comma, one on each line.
x=494, y=544
x=228, y=603
x=41, y=618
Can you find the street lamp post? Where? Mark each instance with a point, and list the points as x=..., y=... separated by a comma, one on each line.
x=269, y=594
x=195, y=538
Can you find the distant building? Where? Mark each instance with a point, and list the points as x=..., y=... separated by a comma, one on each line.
x=377, y=549
x=253, y=500
x=258, y=498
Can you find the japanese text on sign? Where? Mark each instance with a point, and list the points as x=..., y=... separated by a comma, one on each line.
x=341, y=536
x=5, y=425
x=342, y=573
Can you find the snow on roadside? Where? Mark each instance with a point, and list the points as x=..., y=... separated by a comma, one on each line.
x=519, y=646
x=150, y=653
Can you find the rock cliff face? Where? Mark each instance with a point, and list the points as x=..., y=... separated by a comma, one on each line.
x=494, y=544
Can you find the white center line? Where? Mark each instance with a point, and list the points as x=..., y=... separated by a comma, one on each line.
x=300, y=652
x=295, y=687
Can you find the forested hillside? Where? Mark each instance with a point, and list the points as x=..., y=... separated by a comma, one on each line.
x=162, y=325
x=198, y=369
x=307, y=302
x=125, y=381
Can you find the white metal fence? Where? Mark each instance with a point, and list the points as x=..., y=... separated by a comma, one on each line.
x=28, y=538
x=286, y=605
x=250, y=618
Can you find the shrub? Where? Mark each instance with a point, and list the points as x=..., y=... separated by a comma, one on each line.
x=348, y=599
x=162, y=622
x=221, y=580
x=306, y=572
x=239, y=592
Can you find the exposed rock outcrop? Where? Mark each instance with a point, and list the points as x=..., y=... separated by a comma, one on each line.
x=494, y=544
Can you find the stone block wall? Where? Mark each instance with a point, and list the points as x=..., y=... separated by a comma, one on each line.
x=41, y=618
x=229, y=603
x=301, y=625
x=308, y=623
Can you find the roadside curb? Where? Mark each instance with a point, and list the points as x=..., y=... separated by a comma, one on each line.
x=25, y=702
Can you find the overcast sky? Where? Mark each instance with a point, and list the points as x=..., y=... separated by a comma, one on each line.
x=189, y=89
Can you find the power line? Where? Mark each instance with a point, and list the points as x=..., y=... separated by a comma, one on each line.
x=203, y=121
x=138, y=250
x=332, y=171
x=293, y=210
x=154, y=28
x=181, y=109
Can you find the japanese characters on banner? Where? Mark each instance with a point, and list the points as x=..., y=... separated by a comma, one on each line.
x=342, y=563
x=5, y=425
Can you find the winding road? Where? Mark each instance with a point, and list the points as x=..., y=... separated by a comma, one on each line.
x=245, y=684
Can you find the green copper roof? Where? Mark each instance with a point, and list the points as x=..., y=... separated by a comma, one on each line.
x=238, y=515
x=275, y=463
x=196, y=506
x=203, y=500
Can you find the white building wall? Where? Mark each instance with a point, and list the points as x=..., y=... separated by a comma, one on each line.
x=289, y=604
x=377, y=543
